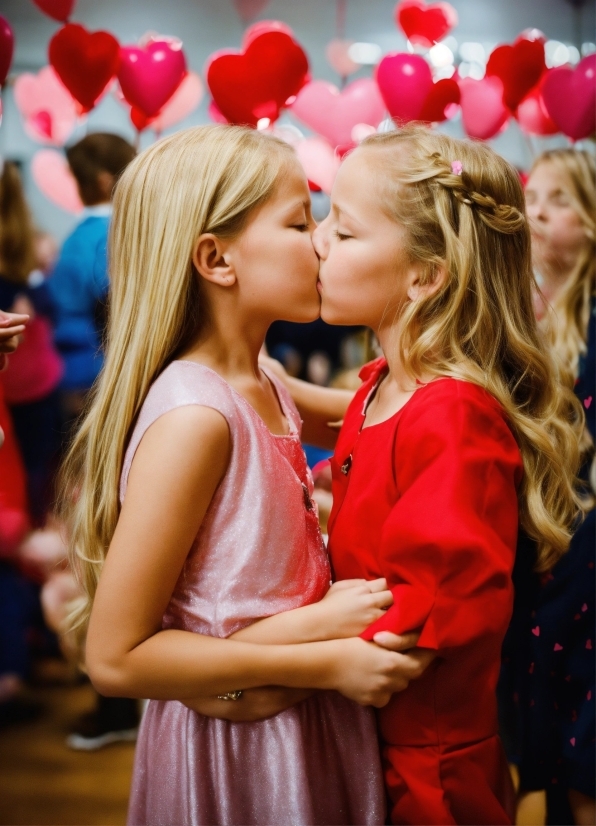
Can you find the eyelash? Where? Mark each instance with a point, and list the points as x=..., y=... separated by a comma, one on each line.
x=300, y=227
x=341, y=236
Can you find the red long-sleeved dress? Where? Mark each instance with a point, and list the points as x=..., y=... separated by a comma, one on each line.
x=428, y=499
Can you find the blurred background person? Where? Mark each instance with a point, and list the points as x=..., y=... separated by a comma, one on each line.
x=79, y=281
x=33, y=373
x=550, y=646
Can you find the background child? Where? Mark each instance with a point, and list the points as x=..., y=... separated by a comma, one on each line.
x=34, y=372
x=216, y=527
x=555, y=645
x=79, y=281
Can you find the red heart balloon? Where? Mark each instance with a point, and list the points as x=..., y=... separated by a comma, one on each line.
x=254, y=84
x=60, y=10
x=6, y=48
x=84, y=61
x=519, y=68
x=422, y=24
x=150, y=75
x=570, y=98
x=444, y=94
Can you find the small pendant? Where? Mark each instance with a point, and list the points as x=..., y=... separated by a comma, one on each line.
x=345, y=468
x=308, y=504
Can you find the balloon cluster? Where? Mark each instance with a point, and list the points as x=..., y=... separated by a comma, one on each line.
x=270, y=74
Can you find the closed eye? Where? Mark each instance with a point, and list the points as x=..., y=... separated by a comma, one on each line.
x=341, y=235
x=300, y=227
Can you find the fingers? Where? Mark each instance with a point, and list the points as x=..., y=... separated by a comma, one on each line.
x=377, y=584
x=11, y=319
x=383, y=600
x=396, y=642
x=344, y=584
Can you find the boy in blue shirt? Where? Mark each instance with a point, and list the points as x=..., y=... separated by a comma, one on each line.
x=79, y=282
x=79, y=286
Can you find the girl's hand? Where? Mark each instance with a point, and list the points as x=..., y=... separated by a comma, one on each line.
x=351, y=606
x=369, y=674
x=255, y=704
x=12, y=326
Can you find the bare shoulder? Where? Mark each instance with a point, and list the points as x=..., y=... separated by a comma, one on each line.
x=190, y=439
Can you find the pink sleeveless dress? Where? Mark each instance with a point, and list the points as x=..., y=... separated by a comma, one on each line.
x=259, y=551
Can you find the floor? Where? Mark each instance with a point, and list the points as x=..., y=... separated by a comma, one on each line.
x=43, y=782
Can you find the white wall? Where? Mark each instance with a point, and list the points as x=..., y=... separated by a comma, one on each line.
x=207, y=25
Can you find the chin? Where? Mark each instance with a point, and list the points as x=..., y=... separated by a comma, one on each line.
x=333, y=315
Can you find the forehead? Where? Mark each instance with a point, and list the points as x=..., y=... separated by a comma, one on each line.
x=291, y=182
x=547, y=175
x=359, y=181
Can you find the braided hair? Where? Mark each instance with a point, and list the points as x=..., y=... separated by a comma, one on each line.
x=467, y=219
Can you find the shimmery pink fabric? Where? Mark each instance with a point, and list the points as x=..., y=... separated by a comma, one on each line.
x=258, y=552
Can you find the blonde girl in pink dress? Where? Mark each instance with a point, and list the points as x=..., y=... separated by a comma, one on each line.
x=192, y=526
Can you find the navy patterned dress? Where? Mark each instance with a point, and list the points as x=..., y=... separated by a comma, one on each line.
x=548, y=655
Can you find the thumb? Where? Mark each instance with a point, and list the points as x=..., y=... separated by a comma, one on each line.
x=396, y=642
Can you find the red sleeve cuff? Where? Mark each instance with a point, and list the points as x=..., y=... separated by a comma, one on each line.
x=411, y=610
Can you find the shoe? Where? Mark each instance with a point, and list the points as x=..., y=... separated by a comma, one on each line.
x=115, y=720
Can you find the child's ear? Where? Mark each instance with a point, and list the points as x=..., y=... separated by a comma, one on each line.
x=212, y=261
x=421, y=287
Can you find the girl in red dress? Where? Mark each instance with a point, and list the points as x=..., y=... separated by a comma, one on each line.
x=459, y=435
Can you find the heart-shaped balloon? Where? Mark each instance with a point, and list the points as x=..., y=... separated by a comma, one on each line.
x=263, y=26
x=424, y=25
x=185, y=100
x=569, y=96
x=48, y=110
x=319, y=162
x=51, y=173
x=6, y=48
x=532, y=116
x=405, y=82
x=334, y=114
x=256, y=83
x=519, y=67
x=150, y=74
x=441, y=102
x=84, y=61
x=338, y=57
x=483, y=112
x=60, y=10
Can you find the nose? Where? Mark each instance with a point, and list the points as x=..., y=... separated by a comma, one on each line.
x=320, y=239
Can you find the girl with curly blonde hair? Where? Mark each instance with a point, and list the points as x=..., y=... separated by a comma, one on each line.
x=460, y=435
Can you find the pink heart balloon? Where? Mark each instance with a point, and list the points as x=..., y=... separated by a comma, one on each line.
x=483, y=112
x=532, y=116
x=337, y=54
x=185, y=100
x=53, y=177
x=570, y=98
x=149, y=75
x=405, y=82
x=319, y=161
x=334, y=114
x=47, y=107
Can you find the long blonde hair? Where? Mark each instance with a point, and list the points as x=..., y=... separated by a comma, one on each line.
x=567, y=325
x=17, y=238
x=204, y=179
x=480, y=325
